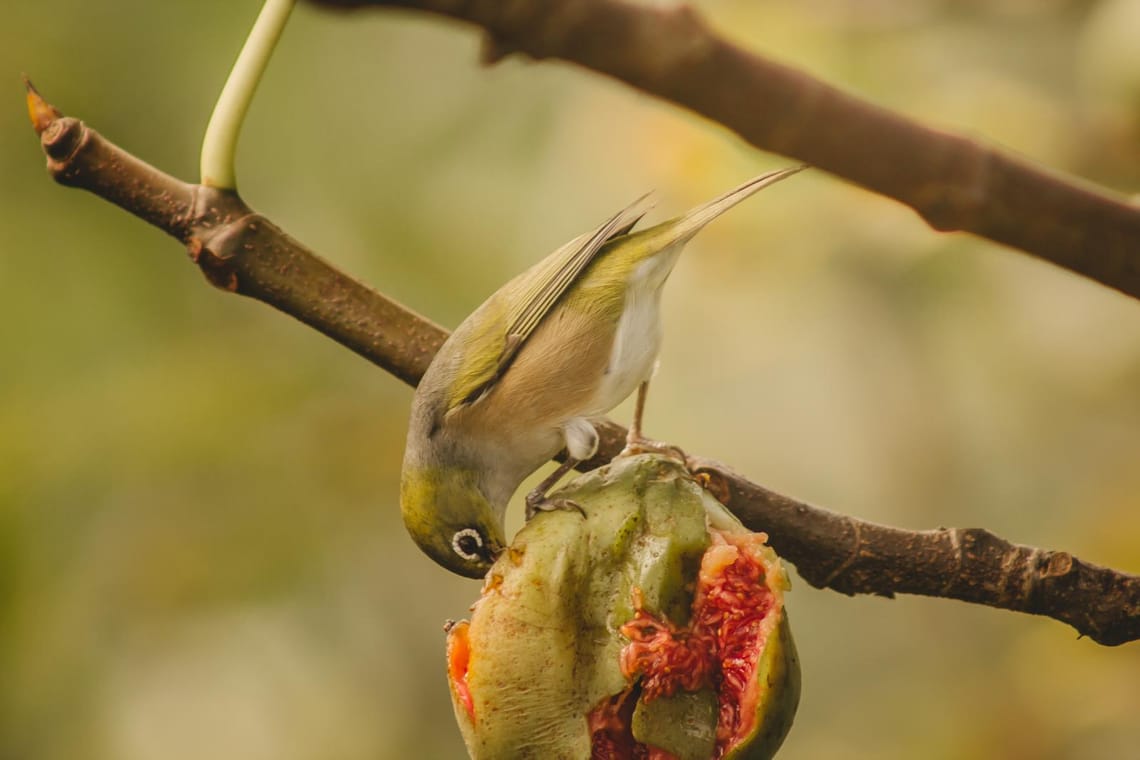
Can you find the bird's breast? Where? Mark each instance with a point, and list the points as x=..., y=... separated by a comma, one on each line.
x=637, y=339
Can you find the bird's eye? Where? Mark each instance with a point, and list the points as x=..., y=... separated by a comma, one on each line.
x=468, y=544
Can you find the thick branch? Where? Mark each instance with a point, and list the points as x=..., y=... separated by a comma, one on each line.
x=242, y=252
x=856, y=557
x=953, y=182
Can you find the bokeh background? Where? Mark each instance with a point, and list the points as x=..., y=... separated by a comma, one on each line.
x=200, y=548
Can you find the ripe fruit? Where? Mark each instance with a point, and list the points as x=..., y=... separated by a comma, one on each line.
x=653, y=628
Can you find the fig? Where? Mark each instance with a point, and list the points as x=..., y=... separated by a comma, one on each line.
x=649, y=624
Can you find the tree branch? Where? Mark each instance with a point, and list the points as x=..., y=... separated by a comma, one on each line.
x=953, y=182
x=971, y=564
x=242, y=252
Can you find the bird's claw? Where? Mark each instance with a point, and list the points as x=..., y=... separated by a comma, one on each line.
x=634, y=446
x=538, y=502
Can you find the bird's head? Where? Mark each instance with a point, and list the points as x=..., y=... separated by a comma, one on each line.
x=451, y=520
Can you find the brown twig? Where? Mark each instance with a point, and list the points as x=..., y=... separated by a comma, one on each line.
x=242, y=252
x=239, y=250
x=953, y=182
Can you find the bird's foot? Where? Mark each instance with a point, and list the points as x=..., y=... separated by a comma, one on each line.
x=536, y=502
x=641, y=445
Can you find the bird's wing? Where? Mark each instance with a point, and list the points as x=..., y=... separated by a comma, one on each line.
x=544, y=286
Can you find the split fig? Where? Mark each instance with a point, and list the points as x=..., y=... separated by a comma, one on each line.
x=649, y=625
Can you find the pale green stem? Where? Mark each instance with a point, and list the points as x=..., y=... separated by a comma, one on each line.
x=220, y=143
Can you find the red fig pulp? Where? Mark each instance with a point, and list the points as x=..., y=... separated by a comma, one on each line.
x=734, y=612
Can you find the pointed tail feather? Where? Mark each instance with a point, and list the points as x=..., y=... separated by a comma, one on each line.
x=691, y=223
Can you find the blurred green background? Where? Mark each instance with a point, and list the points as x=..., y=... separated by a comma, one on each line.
x=200, y=548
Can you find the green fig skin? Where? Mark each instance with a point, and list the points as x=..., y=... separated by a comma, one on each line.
x=683, y=724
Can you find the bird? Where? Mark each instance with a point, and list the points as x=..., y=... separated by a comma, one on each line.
x=528, y=371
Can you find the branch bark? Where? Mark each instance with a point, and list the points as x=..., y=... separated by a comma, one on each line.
x=242, y=252
x=953, y=182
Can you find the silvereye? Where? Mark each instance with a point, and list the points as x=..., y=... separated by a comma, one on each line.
x=523, y=376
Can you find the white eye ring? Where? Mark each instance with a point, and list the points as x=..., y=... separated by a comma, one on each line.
x=457, y=540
